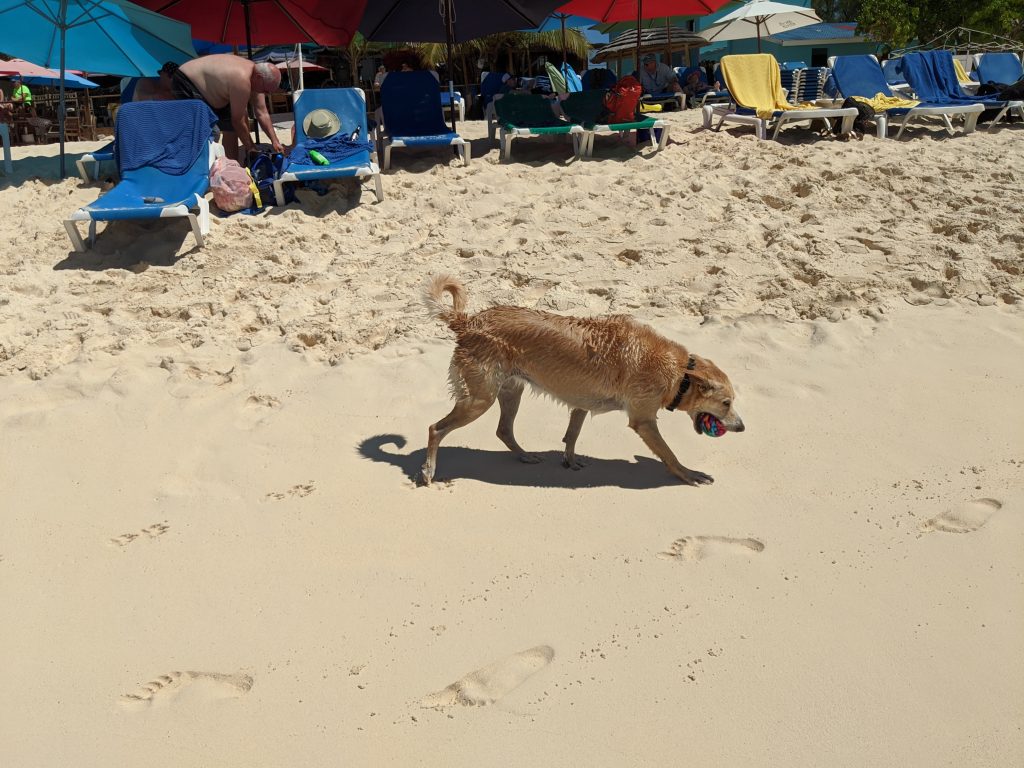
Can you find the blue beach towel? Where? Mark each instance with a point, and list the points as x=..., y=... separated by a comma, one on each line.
x=933, y=78
x=165, y=135
x=336, y=149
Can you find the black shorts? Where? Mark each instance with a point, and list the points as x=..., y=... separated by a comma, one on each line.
x=183, y=88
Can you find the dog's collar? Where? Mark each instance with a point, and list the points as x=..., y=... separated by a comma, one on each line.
x=684, y=385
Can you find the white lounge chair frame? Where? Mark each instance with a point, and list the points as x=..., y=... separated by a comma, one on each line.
x=726, y=113
x=200, y=221
x=83, y=171
x=579, y=139
x=464, y=150
x=658, y=145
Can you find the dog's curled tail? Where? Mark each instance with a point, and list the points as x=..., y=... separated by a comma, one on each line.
x=434, y=295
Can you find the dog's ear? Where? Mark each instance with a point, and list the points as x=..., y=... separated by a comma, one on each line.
x=704, y=374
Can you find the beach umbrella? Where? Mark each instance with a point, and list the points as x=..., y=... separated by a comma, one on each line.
x=113, y=36
x=449, y=21
x=266, y=22
x=33, y=74
x=760, y=18
x=638, y=10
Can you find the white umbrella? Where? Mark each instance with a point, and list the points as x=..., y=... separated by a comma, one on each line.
x=757, y=18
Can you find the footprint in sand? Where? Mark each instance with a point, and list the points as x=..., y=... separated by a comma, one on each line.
x=490, y=683
x=298, y=491
x=151, y=531
x=691, y=548
x=205, y=686
x=965, y=518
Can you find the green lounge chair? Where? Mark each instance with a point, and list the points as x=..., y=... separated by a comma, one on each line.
x=531, y=115
x=587, y=108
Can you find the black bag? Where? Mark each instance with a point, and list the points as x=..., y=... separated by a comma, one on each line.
x=1013, y=92
x=862, y=122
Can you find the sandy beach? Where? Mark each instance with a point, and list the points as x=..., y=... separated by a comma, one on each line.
x=214, y=552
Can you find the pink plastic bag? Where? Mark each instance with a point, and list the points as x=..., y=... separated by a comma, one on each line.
x=230, y=184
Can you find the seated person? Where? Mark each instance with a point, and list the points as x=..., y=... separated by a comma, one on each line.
x=406, y=60
x=21, y=96
x=494, y=83
x=695, y=84
x=656, y=78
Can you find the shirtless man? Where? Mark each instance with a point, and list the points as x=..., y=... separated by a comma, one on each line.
x=228, y=84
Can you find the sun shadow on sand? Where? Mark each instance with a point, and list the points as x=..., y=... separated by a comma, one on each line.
x=502, y=468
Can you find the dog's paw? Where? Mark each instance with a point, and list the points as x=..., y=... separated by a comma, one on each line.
x=693, y=477
x=575, y=464
x=530, y=458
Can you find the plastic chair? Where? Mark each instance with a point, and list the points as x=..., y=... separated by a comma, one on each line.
x=349, y=104
x=164, y=151
x=411, y=102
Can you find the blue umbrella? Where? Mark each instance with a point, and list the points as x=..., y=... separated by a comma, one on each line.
x=69, y=81
x=112, y=36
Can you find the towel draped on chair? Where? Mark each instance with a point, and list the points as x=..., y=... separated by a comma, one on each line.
x=145, y=138
x=755, y=82
x=880, y=102
x=335, y=148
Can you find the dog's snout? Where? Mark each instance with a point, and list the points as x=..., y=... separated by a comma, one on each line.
x=738, y=426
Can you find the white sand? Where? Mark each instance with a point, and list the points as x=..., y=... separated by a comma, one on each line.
x=213, y=554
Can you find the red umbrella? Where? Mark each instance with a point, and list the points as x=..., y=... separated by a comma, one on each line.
x=266, y=22
x=637, y=10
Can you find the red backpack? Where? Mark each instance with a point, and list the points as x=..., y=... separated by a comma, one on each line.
x=621, y=101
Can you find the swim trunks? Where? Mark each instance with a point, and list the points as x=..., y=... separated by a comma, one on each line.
x=183, y=88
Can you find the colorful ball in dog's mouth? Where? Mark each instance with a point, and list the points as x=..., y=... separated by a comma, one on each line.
x=709, y=425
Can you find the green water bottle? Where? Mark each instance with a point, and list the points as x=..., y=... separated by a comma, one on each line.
x=317, y=158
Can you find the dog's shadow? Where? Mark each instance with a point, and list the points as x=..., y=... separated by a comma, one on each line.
x=503, y=468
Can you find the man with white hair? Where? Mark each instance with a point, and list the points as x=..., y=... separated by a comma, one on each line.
x=228, y=84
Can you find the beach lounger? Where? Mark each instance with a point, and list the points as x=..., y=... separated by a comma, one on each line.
x=810, y=85
x=460, y=103
x=860, y=75
x=164, y=150
x=101, y=155
x=413, y=117
x=349, y=104
x=715, y=96
x=759, y=101
x=1001, y=67
x=521, y=114
x=598, y=79
x=5, y=139
x=586, y=108
x=933, y=77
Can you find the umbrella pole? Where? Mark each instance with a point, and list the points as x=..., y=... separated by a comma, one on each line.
x=449, y=33
x=248, y=48
x=60, y=100
x=562, y=17
x=639, y=16
x=758, y=35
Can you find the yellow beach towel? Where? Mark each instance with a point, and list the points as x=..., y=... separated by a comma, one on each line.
x=880, y=102
x=754, y=81
x=961, y=73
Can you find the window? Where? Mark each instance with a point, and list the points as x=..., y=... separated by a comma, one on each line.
x=819, y=57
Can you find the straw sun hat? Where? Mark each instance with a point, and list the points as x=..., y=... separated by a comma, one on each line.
x=321, y=124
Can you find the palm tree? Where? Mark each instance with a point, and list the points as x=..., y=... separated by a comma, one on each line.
x=517, y=46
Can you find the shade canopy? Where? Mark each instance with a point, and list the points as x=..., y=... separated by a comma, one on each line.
x=266, y=22
x=34, y=75
x=112, y=36
x=630, y=10
x=760, y=18
x=418, y=21
x=662, y=40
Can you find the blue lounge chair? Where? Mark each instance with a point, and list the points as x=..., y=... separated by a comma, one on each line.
x=716, y=96
x=861, y=75
x=933, y=78
x=810, y=84
x=164, y=150
x=598, y=79
x=101, y=155
x=788, y=73
x=998, y=67
x=460, y=103
x=411, y=102
x=349, y=104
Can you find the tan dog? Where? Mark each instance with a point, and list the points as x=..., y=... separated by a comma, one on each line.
x=593, y=365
